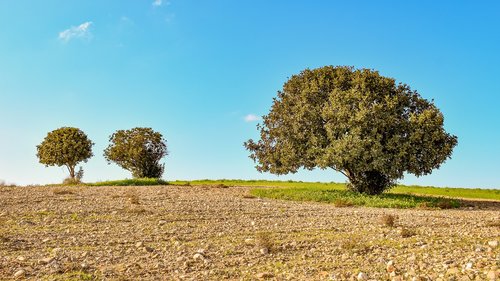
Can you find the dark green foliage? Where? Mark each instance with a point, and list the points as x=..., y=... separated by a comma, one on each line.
x=138, y=150
x=65, y=146
x=356, y=122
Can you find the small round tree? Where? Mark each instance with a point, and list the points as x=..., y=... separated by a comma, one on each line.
x=138, y=150
x=65, y=146
x=356, y=122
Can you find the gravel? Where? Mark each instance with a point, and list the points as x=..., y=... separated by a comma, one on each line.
x=203, y=233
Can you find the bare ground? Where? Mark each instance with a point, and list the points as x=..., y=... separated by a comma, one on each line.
x=203, y=233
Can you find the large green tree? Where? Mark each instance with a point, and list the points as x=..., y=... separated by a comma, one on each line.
x=354, y=121
x=65, y=146
x=138, y=150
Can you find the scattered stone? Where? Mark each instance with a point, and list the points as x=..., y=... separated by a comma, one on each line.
x=45, y=240
x=390, y=267
x=19, y=273
x=162, y=222
x=493, y=244
x=492, y=275
x=111, y=246
x=264, y=251
x=46, y=260
x=362, y=276
x=198, y=256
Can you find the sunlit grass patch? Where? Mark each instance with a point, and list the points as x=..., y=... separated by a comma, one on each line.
x=130, y=182
x=334, y=196
x=476, y=193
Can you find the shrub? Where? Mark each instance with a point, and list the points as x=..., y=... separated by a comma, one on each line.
x=388, y=220
x=405, y=232
x=133, y=198
x=263, y=240
x=65, y=146
x=138, y=150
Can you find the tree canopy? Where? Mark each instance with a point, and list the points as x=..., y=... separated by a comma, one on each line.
x=354, y=121
x=65, y=146
x=138, y=150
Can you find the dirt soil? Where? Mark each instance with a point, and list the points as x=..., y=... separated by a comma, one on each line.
x=207, y=233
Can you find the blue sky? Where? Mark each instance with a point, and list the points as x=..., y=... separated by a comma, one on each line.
x=194, y=70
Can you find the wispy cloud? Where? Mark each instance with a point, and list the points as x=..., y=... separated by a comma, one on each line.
x=252, y=118
x=157, y=3
x=81, y=31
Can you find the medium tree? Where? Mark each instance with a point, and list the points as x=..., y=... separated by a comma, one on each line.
x=356, y=122
x=138, y=150
x=65, y=146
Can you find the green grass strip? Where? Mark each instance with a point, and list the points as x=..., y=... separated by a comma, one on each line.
x=472, y=193
x=130, y=182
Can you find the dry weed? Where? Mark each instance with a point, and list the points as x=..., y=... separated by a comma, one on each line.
x=388, y=220
x=62, y=191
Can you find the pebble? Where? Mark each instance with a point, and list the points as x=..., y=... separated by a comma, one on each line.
x=19, y=273
x=162, y=222
x=46, y=260
x=249, y=241
x=390, y=267
x=139, y=244
x=21, y=258
x=362, y=276
x=264, y=251
x=198, y=256
x=493, y=244
x=492, y=275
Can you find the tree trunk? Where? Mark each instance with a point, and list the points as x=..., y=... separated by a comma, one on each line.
x=71, y=170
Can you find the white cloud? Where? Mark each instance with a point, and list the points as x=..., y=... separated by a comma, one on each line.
x=252, y=118
x=157, y=3
x=81, y=31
